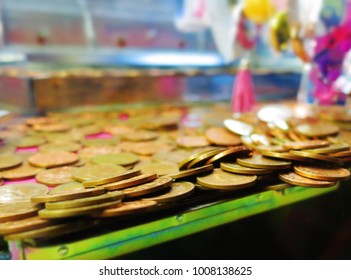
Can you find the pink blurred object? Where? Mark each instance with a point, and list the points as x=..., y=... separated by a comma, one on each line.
x=243, y=94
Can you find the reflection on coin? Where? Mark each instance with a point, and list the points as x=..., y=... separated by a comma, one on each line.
x=23, y=225
x=56, y=176
x=229, y=153
x=68, y=187
x=111, y=179
x=192, y=141
x=239, y=169
x=274, y=112
x=30, y=141
x=330, y=149
x=85, y=201
x=220, y=179
x=161, y=168
x=317, y=129
x=297, y=180
x=127, y=208
x=6, y=148
x=192, y=172
x=204, y=157
x=131, y=182
x=53, y=159
x=97, y=171
x=178, y=190
x=308, y=144
x=222, y=137
x=16, y=211
x=258, y=161
x=317, y=157
x=322, y=173
x=21, y=192
x=23, y=171
x=147, y=188
x=123, y=159
x=9, y=160
x=239, y=127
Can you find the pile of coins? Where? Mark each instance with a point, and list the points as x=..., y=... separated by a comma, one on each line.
x=67, y=172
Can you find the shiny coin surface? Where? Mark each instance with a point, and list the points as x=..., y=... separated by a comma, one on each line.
x=23, y=225
x=97, y=171
x=204, y=157
x=16, y=211
x=229, y=153
x=334, y=148
x=258, y=161
x=131, y=182
x=222, y=137
x=21, y=192
x=73, y=194
x=317, y=157
x=308, y=144
x=220, y=179
x=184, y=163
x=238, y=127
x=317, y=129
x=271, y=148
x=147, y=188
x=127, y=208
x=297, y=180
x=161, y=168
x=192, y=141
x=56, y=176
x=23, y=171
x=192, y=172
x=341, y=154
x=177, y=191
x=285, y=155
x=239, y=169
x=53, y=159
x=322, y=173
x=85, y=201
x=9, y=160
x=68, y=187
x=116, y=178
x=123, y=159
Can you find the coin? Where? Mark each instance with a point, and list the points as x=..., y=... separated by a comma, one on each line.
x=229, y=153
x=118, y=129
x=62, y=146
x=297, y=180
x=9, y=160
x=131, y=182
x=204, y=157
x=127, y=208
x=89, y=152
x=40, y=120
x=23, y=225
x=239, y=169
x=238, y=127
x=85, y=201
x=23, y=171
x=56, y=176
x=30, y=141
x=322, y=173
x=274, y=112
x=147, y=188
x=285, y=155
x=21, y=192
x=99, y=142
x=258, y=161
x=139, y=136
x=173, y=156
x=317, y=156
x=16, y=211
x=334, y=148
x=111, y=179
x=192, y=141
x=97, y=171
x=271, y=148
x=123, y=159
x=6, y=148
x=52, y=127
x=192, y=172
x=150, y=147
x=177, y=191
x=53, y=159
x=220, y=179
x=67, y=187
x=308, y=144
x=222, y=137
x=317, y=129
x=341, y=154
x=184, y=163
x=161, y=168
x=73, y=194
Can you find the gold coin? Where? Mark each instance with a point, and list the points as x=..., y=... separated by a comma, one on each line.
x=220, y=179
x=341, y=154
x=68, y=187
x=99, y=142
x=53, y=159
x=25, y=224
x=63, y=146
x=147, y=188
x=16, y=211
x=140, y=136
x=9, y=160
x=297, y=180
x=30, y=141
x=192, y=172
x=173, y=156
x=123, y=159
x=258, y=161
x=178, y=190
x=85, y=201
x=161, y=168
x=150, y=147
x=317, y=129
x=334, y=148
x=23, y=171
x=238, y=127
x=285, y=155
x=308, y=144
x=192, y=141
x=56, y=176
x=204, y=157
x=97, y=171
x=111, y=179
x=184, y=163
x=317, y=157
x=89, y=152
x=127, y=208
x=131, y=182
x=89, y=129
x=118, y=129
x=40, y=120
x=322, y=173
x=229, y=153
x=239, y=169
x=73, y=194
x=21, y=192
x=222, y=137
x=271, y=148
x=52, y=127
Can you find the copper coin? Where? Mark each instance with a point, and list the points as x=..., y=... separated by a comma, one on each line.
x=220, y=179
x=239, y=169
x=161, y=168
x=63, y=146
x=21, y=192
x=334, y=148
x=127, y=208
x=131, y=182
x=229, y=153
x=53, y=159
x=341, y=154
x=317, y=129
x=9, y=160
x=258, y=161
x=139, y=136
x=56, y=176
x=89, y=152
x=149, y=148
x=184, y=163
x=297, y=180
x=173, y=156
x=73, y=194
x=67, y=187
x=204, y=157
x=97, y=171
x=177, y=191
x=99, y=142
x=52, y=127
x=222, y=137
x=317, y=157
x=285, y=155
x=40, y=120
x=192, y=141
x=23, y=225
x=192, y=172
x=111, y=179
x=147, y=188
x=123, y=159
x=322, y=173
x=308, y=144
x=23, y=171
x=30, y=141
x=271, y=148
x=16, y=211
